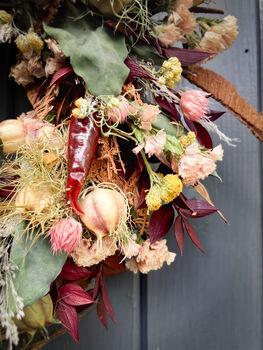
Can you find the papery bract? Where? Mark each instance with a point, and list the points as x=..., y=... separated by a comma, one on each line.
x=65, y=235
x=194, y=104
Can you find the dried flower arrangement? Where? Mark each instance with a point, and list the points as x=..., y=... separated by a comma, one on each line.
x=92, y=178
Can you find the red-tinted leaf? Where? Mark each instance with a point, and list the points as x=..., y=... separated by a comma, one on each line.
x=200, y=207
x=192, y=234
x=171, y=108
x=72, y=272
x=61, y=74
x=137, y=71
x=69, y=318
x=74, y=295
x=182, y=202
x=202, y=134
x=106, y=299
x=113, y=265
x=214, y=115
x=41, y=89
x=185, y=56
x=161, y=222
x=102, y=312
x=97, y=285
x=179, y=233
x=144, y=185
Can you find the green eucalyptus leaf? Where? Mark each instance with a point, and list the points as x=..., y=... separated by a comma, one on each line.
x=162, y=122
x=173, y=145
x=96, y=52
x=37, y=267
x=215, y=174
x=147, y=52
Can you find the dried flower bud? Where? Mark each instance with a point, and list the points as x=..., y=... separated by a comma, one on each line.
x=22, y=43
x=5, y=17
x=33, y=198
x=35, y=42
x=12, y=135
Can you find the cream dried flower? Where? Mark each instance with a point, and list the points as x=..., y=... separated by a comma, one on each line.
x=90, y=253
x=151, y=257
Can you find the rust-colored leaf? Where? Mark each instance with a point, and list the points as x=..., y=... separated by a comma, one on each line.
x=179, y=233
x=160, y=222
x=192, y=234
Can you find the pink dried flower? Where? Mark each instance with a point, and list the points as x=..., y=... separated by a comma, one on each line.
x=194, y=166
x=148, y=114
x=153, y=144
x=65, y=235
x=151, y=257
x=121, y=112
x=169, y=34
x=216, y=154
x=194, y=104
x=130, y=249
x=89, y=253
x=30, y=123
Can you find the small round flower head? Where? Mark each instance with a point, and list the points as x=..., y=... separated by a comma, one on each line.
x=194, y=104
x=118, y=110
x=35, y=42
x=172, y=187
x=82, y=108
x=5, y=17
x=65, y=235
x=170, y=72
x=153, y=198
x=22, y=43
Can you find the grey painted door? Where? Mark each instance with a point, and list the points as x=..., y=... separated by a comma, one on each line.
x=210, y=301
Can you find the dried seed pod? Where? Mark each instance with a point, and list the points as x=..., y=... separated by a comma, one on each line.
x=12, y=135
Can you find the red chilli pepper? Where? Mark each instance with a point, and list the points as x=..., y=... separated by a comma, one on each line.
x=82, y=143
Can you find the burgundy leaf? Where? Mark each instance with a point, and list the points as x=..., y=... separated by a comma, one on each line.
x=113, y=265
x=185, y=56
x=72, y=272
x=160, y=222
x=41, y=88
x=96, y=285
x=202, y=134
x=106, y=299
x=101, y=311
x=200, y=208
x=137, y=71
x=182, y=202
x=192, y=234
x=8, y=190
x=171, y=108
x=69, y=318
x=144, y=185
x=61, y=74
x=179, y=233
x=74, y=295
x=214, y=115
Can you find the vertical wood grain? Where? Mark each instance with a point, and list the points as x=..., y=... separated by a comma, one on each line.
x=214, y=301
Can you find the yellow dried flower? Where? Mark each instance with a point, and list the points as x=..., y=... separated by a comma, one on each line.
x=35, y=42
x=170, y=72
x=184, y=141
x=5, y=17
x=82, y=108
x=173, y=186
x=22, y=43
x=153, y=198
x=191, y=136
x=114, y=102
